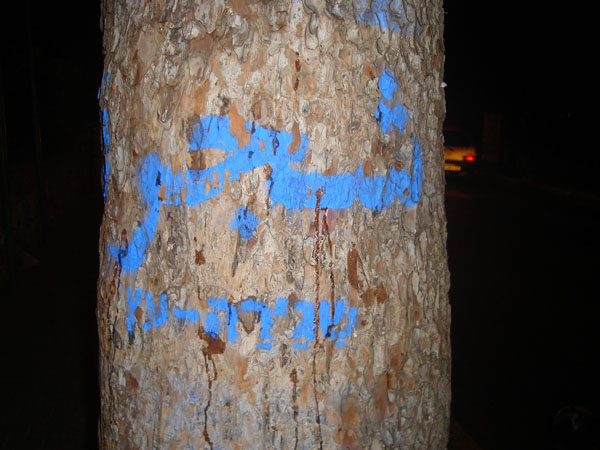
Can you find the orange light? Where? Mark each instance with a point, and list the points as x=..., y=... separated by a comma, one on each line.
x=469, y=158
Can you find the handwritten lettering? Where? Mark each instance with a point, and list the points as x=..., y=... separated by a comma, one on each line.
x=221, y=318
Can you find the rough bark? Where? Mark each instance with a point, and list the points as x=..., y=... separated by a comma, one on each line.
x=273, y=267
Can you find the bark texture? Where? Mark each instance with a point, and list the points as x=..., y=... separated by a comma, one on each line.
x=273, y=267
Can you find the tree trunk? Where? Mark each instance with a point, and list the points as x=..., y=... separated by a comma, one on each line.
x=273, y=266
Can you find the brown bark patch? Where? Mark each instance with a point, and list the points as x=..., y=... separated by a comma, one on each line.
x=350, y=441
x=352, y=262
x=214, y=345
x=138, y=313
x=293, y=298
x=374, y=293
x=369, y=71
x=202, y=44
x=397, y=358
x=378, y=293
x=382, y=403
x=130, y=381
x=237, y=127
x=370, y=295
x=240, y=365
x=249, y=319
x=376, y=147
x=309, y=86
x=239, y=7
x=350, y=412
x=296, y=139
x=199, y=260
x=417, y=313
x=199, y=106
x=367, y=170
x=305, y=394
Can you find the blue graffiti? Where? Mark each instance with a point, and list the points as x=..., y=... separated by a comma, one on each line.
x=289, y=187
x=305, y=330
x=156, y=320
x=395, y=114
x=106, y=141
x=266, y=317
x=386, y=14
x=329, y=326
x=212, y=319
x=245, y=222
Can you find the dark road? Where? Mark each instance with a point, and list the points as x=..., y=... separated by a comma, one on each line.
x=524, y=312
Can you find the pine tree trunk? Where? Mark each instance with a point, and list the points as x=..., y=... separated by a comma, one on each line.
x=273, y=266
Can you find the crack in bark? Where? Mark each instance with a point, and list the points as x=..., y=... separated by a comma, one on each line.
x=214, y=345
x=317, y=256
x=294, y=379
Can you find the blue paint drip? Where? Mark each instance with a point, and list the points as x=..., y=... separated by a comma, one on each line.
x=133, y=304
x=106, y=140
x=245, y=222
x=221, y=304
x=156, y=320
x=105, y=129
x=133, y=256
x=387, y=84
x=340, y=311
x=266, y=321
x=211, y=325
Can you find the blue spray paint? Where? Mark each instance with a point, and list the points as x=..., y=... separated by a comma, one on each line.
x=156, y=320
x=339, y=313
x=394, y=114
x=387, y=84
x=305, y=330
x=266, y=318
x=186, y=314
x=245, y=222
x=134, y=255
x=289, y=187
x=221, y=304
x=386, y=14
x=106, y=140
x=133, y=304
x=303, y=334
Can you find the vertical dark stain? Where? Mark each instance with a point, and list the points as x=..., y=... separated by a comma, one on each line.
x=205, y=434
x=123, y=249
x=294, y=380
x=275, y=143
x=266, y=412
x=268, y=170
x=317, y=256
x=214, y=346
x=331, y=277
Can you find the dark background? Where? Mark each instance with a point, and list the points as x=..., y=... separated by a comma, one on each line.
x=523, y=71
